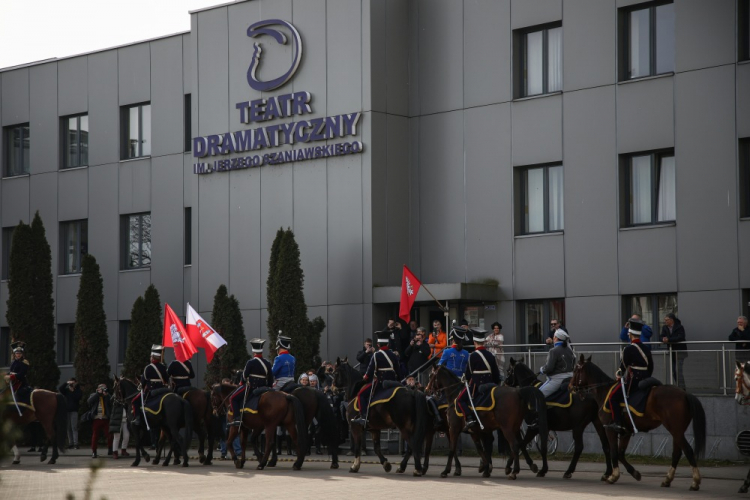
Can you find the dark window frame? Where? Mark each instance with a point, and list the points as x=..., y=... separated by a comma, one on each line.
x=5, y=351
x=9, y=169
x=743, y=30
x=522, y=176
x=521, y=59
x=744, y=165
x=64, y=128
x=188, y=254
x=7, y=243
x=66, y=346
x=624, y=37
x=626, y=166
x=125, y=243
x=123, y=332
x=188, y=128
x=81, y=227
x=546, y=318
x=125, y=131
x=656, y=323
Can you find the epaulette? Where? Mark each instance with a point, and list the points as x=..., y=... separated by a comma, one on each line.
x=26, y=361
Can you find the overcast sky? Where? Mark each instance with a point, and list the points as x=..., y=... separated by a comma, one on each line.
x=32, y=30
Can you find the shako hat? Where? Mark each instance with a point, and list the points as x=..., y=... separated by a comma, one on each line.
x=383, y=336
x=283, y=342
x=18, y=346
x=636, y=327
x=458, y=332
x=479, y=336
x=156, y=350
x=257, y=344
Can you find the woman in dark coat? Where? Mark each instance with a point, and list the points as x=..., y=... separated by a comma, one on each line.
x=673, y=334
x=117, y=424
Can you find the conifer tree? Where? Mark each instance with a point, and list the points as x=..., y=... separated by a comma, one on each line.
x=20, y=273
x=146, y=329
x=219, y=321
x=273, y=322
x=91, y=338
x=40, y=344
x=154, y=314
x=234, y=355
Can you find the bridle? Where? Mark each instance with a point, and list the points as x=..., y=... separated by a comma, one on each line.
x=117, y=394
x=742, y=391
x=433, y=379
x=222, y=406
x=583, y=391
x=512, y=377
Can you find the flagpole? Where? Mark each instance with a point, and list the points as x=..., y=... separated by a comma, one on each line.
x=442, y=308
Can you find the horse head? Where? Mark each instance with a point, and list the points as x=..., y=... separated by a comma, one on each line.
x=742, y=390
x=581, y=379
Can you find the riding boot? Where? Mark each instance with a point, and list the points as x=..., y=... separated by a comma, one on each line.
x=469, y=424
x=438, y=421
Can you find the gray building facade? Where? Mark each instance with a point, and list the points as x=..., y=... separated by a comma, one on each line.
x=528, y=160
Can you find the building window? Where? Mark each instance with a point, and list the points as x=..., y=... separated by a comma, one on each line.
x=188, y=123
x=136, y=237
x=744, y=177
x=536, y=316
x=66, y=343
x=75, y=141
x=74, y=243
x=648, y=183
x=136, y=130
x=5, y=354
x=122, y=340
x=743, y=30
x=7, y=242
x=188, y=236
x=538, y=60
x=541, y=199
x=647, y=40
x=17, y=145
x=651, y=308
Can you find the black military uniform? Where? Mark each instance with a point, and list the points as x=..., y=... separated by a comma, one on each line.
x=482, y=369
x=257, y=373
x=384, y=365
x=181, y=374
x=18, y=374
x=154, y=377
x=636, y=365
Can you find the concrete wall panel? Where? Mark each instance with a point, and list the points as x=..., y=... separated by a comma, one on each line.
x=43, y=194
x=397, y=190
x=277, y=184
x=73, y=88
x=241, y=48
x=487, y=54
x=415, y=261
x=584, y=316
x=397, y=67
x=310, y=17
x=130, y=285
x=15, y=97
x=134, y=73
x=44, y=151
x=743, y=100
x=525, y=14
x=343, y=26
x=374, y=60
x=589, y=48
x=211, y=257
x=244, y=244
x=135, y=186
x=345, y=330
x=66, y=298
x=15, y=201
x=539, y=267
x=744, y=249
x=104, y=111
x=647, y=261
x=378, y=151
x=212, y=43
x=104, y=232
x=645, y=115
x=537, y=130
x=187, y=64
x=310, y=207
x=704, y=34
x=708, y=315
x=73, y=189
x=167, y=97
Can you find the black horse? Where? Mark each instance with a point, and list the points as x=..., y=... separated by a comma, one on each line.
x=176, y=414
x=406, y=410
x=582, y=411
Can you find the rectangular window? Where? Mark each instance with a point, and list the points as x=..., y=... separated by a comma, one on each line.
x=136, y=238
x=744, y=177
x=75, y=141
x=648, y=182
x=7, y=241
x=74, y=243
x=648, y=45
x=536, y=316
x=188, y=236
x=122, y=340
x=743, y=30
x=541, y=199
x=651, y=308
x=539, y=60
x=17, y=147
x=188, y=123
x=66, y=343
x=136, y=131
x=5, y=353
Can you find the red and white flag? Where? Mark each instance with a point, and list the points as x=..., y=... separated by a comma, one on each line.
x=176, y=337
x=202, y=334
x=409, y=288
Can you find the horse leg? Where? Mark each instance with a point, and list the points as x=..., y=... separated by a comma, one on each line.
x=201, y=438
x=676, y=455
x=231, y=435
x=690, y=455
x=605, y=447
x=414, y=450
x=427, y=449
x=376, y=446
x=524, y=449
x=17, y=455
x=357, y=438
x=270, y=432
x=514, y=443
x=404, y=462
x=614, y=456
x=578, y=440
x=484, y=467
x=292, y=431
x=624, y=442
x=743, y=488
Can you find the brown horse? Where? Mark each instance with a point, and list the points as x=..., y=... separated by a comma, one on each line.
x=49, y=409
x=317, y=407
x=666, y=405
x=275, y=409
x=742, y=395
x=205, y=426
x=507, y=415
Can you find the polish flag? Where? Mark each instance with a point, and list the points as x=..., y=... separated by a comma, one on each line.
x=202, y=335
x=409, y=288
x=176, y=337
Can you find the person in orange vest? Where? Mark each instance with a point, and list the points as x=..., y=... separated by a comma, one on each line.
x=438, y=339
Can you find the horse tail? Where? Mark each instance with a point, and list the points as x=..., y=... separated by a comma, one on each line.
x=299, y=422
x=534, y=399
x=329, y=423
x=61, y=423
x=187, y=408
x=420, y=422
x=699, y=424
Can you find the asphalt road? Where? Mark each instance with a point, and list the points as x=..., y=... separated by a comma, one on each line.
x=117, y=479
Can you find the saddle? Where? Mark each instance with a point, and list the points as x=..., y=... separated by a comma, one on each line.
x=390, y=384
x=561, y=398
x=156, y=400
x=382, y=394
x=290, y=387
x=638, y=396
x=158, y=392
x=182, y=391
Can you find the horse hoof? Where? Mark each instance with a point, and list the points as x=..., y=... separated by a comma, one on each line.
x=541, y=474
x=42, y=458
x=636, y=475
x=612, y=479
x=134, y=464
x=176, y=462
x=387, y=466
x=512, y=475
x=242, y=463
x=665, y=484
x=399, y=471
x=567, y=475
x=185, y=464
x=481, y=469
x=147, y=458
x=694, y=488
x=52, y=461
x=457, y=473
x=202, y=458
x=534, y=468
x=352, y=470
x=417, y=473
x=334, y=465
x=16, y=462
x=296, y=467
x=742, y=489
x=259, y=467
x=271, y=464
x=208, y=462
x=486, y=474
x=165, y=464
x=443, y=475
x=604, y=477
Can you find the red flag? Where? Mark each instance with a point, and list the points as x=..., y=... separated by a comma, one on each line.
x=409, y=288
x=202, y=335
x=176, y=337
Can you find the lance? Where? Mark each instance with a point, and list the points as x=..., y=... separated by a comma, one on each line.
x=471, y=400
x=15, y=402
x=627, y=406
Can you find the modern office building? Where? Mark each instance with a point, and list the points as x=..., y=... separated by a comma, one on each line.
x=529, y=160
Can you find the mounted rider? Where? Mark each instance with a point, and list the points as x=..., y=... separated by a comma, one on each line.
x=455, y=358
x=636, y=365
x=384, y=365
x=284, y=363
x=181, y=372
x=258, y=373
x=482, y=369
x=18, y=373
x=154, y=377
x=561, y=361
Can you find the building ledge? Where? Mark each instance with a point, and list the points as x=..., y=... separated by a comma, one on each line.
x=475, y=292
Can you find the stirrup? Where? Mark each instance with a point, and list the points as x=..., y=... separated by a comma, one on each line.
x=619, y=429
x=235, y=423
x=469, y=425
x=359, y=421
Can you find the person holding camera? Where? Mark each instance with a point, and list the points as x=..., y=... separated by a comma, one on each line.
x=73, y=394
x=364, y=356
x=646, y=333
x=418, y=351
x=438, y=339
x=101, y=410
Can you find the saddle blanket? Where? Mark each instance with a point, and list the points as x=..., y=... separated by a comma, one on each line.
x=155, y=402
x=381, y=395
x=638, y=398
x=182, y=391
x=484, y=401
x=253, y=400
x=561, y=398
x=24, y=397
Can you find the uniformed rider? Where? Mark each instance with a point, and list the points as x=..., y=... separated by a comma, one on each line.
x=258, y=373
x=455, y=358
x=154, y=377
x=284, y=364
x=181, y=373
x=384, y=365
x=482, y=369
x=560, y=363
x=636, y=365
x=18, y=373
